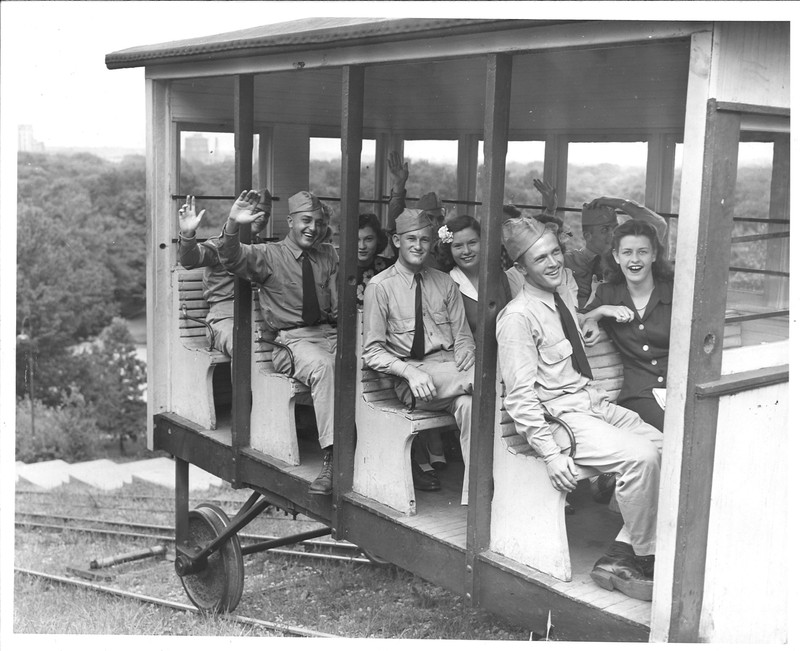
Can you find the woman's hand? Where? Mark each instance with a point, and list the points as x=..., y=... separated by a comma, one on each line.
x=620, y=313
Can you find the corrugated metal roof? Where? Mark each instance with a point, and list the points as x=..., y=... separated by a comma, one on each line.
x=296, y=34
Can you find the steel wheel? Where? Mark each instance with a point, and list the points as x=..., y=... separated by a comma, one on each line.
x=218, y=587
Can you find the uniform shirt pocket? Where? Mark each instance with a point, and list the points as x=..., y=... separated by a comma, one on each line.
x=399, y=326
x=556, y=353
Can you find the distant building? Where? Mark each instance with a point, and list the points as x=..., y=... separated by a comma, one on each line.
x=195, y=148
x=26, y=141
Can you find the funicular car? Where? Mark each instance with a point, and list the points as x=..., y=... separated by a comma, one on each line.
x=694, y=92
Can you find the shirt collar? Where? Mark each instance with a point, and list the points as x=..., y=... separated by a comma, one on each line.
x=541, y=295
x=406, y=274
x=290, y=244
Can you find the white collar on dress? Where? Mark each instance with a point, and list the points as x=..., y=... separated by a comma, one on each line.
x=464, y=283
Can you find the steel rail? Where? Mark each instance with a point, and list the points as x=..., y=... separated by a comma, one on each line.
x=169, y=529
x=170, y=537
x=274, y=626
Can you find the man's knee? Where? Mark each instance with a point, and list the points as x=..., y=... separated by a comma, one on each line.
x=323, y=367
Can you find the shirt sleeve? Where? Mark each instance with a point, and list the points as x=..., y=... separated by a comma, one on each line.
x=376, y=315
x=192, y=255
x=397, y=204
x=654, y=219
x=244, y=260
x=519, y=363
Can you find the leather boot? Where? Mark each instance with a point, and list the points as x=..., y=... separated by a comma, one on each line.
x=619, y=569
x=323, y=484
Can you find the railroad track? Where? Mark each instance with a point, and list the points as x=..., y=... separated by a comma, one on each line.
x=249, y=621
x=327, y=550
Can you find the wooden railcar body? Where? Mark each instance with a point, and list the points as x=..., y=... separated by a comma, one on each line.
x=705, y=85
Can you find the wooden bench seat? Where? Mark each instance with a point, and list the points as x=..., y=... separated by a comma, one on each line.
x=273, y=429
x=385, y=430
x=195, y=360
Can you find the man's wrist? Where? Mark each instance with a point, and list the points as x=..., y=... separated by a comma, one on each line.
x=231, y=227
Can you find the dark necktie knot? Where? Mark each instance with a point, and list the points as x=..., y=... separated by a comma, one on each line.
x=579, y=360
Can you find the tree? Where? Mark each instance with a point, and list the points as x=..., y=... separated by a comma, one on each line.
x=113, y=382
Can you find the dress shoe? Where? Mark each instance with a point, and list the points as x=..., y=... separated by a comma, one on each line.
x=620, y=569
x=424, y=481
x=323, y=484
x=603, y=488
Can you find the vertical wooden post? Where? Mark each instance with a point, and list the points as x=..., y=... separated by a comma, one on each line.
x=556, y=148
x=495, y=147
x=703, y=364
x=777, y=289
x=242, y=312
x=161, y=256
x=344, y=411
x=660, y=176
x=181, y=502
x=467, y=172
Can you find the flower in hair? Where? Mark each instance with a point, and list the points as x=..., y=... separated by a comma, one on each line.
x=445, y=235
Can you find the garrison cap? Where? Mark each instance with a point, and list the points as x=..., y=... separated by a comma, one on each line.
x=597, y=216
x=412, y=219
x=521, y=233
x=429, y=202
x=304, y=203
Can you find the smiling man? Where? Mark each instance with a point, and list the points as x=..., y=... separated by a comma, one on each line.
x=416, y=330
x=545, y=370
x=296, y=280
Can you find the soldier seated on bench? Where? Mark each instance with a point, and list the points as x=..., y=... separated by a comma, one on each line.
x=544, y=366
x=296, y=279
x=415, y=329
x=217, y=281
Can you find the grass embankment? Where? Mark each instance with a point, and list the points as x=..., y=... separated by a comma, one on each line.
x=337, y=598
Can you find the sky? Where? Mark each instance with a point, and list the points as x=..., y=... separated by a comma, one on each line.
x=53, y=54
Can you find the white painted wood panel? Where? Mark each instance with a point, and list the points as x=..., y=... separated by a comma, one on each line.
x=748, y=563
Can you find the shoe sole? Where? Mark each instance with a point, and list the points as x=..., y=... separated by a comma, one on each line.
x=428, y=489
x=319, y=492
x=642, y=590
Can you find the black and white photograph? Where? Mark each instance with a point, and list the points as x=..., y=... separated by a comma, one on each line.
x=388, y=323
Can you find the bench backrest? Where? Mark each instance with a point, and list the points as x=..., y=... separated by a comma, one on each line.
x=190, y=299
x=262, y=350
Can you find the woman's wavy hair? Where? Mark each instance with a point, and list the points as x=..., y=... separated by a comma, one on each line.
x=455, y=224
x=370, y=220
x=662, y=268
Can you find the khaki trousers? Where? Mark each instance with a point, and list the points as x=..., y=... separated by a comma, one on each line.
x=453, y=394
x=314, y=351
x=611, y=438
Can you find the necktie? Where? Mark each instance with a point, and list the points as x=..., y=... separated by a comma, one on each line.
x=418, y=345
x=579, y=361
x=310, y=302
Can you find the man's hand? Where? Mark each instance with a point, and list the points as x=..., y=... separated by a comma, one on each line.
x=464, y=359
x=548, y=193
x=244, y=209
x=562, y=473
x=398, y=170
x=188, y=219
x=610, y=202
x=590, y=331
x=420, y=383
